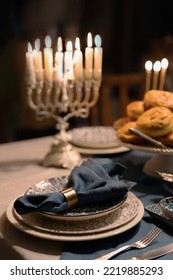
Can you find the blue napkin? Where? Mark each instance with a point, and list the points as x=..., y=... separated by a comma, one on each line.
x=95, y=181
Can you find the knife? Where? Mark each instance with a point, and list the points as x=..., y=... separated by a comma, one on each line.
x=152, y=254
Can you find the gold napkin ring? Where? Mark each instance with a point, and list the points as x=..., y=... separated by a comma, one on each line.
x=71, y=197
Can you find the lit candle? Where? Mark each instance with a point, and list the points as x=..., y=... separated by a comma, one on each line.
x=164, y=66
x=59, y=60
x=78, y=61
x=30, y=70
x=68, y=61
x=48, y=59
x=98, y=54
x=89, y=58
x=148, y=68
x=38, y=60
x=156, y=68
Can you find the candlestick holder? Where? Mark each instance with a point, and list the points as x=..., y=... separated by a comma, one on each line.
x=61, y=100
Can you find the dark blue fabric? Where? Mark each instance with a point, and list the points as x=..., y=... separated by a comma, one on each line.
x=95, y=181
x=149, y=190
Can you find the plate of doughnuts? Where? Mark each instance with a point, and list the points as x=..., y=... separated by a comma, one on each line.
x=153, y=116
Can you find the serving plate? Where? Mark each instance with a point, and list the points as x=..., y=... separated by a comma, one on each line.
x=161, y=161
x=58, y=184
x=94, y=137
x=52, y=232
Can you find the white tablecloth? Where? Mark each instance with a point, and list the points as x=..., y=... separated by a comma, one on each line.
x=21, y=167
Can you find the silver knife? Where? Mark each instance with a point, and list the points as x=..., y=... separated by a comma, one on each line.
x=152, y=254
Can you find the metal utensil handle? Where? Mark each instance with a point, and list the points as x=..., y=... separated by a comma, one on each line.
x=146, y=137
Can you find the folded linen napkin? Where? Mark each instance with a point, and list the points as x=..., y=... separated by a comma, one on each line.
x=95, y=181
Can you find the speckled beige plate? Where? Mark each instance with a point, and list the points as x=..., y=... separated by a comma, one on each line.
x=52, y=231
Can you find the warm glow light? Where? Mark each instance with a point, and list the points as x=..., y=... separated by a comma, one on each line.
x=37, y=44
x=89, y=40
x=148, y=65
x=164, y=63
x=98, y=41
x=29, y=47
x=69, y=46
x=59, y=44
x=157, y=66
x=48, y=41
x=77, y=44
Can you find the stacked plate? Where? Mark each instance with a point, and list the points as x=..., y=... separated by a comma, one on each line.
x=96, y=140
x=94, y=222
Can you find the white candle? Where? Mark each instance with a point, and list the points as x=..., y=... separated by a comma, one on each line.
x=30, y=70
x=59, y=56
x=164, y=66
x=48, y=59
x=98, y=55
x=38, y=60
x=156, y=68
x=148, y=68
x=68, y=61
x=89, y=58
x=78, y=61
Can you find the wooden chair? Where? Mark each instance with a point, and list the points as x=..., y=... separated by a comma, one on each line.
x=117, y=90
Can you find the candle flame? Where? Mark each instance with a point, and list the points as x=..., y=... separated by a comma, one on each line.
x=97, y=41
x=157, y=66
x=148, y=65
x=77, y=44
x=48, y=41
x=59, y=44
x=89, y=40
x=164, y=63
x=37, y=44
x=69, y=46
x=29, y=47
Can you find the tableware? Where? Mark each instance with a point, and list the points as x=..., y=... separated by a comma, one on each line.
x=155, y=253
x=147, y=138
x=166, y=176
x=97, y=137
x=155, y=211
x=75, y=214
x=107, y=151
x=162, y=160
x=55, y=235
x=166, y=205
x=140, y=244
x=119, y=217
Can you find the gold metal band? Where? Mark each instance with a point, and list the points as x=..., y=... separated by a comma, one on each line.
x=71, y=197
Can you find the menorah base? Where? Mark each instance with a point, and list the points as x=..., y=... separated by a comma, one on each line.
x=62, y=155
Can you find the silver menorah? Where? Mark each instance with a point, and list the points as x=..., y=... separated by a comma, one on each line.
x=62, y=101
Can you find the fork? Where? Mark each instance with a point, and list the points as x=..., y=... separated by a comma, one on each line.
x=142, y=243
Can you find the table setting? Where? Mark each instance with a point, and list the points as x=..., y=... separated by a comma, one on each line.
x=90, y=197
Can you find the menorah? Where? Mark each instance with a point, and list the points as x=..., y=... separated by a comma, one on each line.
x=63, y=89
x=62, y=101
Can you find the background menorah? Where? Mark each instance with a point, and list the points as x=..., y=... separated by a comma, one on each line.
x=62, y=101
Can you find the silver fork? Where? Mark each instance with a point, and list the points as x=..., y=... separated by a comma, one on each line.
x=142, y=243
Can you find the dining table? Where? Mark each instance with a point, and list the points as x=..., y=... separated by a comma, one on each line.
x=21, y=166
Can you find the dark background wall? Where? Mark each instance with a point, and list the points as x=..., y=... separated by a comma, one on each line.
x=132, y=31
